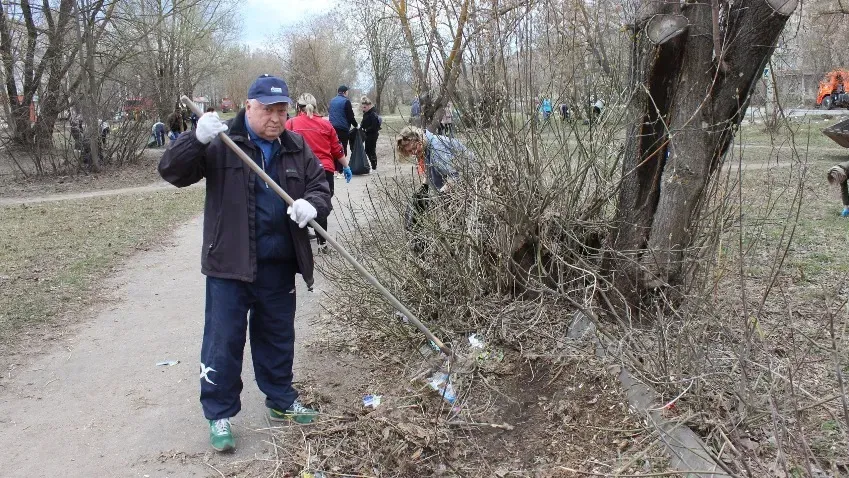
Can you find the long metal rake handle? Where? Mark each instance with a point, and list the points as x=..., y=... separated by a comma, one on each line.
x=321, y=232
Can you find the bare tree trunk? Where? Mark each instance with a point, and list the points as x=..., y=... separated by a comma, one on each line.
x=687, y=106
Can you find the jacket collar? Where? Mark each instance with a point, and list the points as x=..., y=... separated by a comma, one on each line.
x=239, y=133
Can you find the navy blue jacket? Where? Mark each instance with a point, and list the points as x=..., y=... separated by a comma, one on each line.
x=341, y=113
x=273, y=236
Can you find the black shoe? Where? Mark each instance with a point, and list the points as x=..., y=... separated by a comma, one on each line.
x=374, y=167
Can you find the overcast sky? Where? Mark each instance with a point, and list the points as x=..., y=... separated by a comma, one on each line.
x=263, y=18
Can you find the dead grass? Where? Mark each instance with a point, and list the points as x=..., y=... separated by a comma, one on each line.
x=515, y=416
x=140, y=173
x=759, y=350
x=54, y=256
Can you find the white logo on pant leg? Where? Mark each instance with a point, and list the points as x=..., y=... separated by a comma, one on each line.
x=204, y=370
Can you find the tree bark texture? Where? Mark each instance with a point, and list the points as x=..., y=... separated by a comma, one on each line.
x=686, y=108
x=54, y=61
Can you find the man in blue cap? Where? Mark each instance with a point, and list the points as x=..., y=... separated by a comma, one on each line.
x=253, y=245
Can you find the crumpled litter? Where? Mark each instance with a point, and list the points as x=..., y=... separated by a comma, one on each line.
x=440, y=383
x=372, y=401
x=476, y=342
x=167, y=363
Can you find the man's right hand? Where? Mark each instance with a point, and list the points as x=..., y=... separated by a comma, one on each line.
x=209, y=125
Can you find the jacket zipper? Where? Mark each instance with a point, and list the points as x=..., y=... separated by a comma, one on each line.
x=262, y=155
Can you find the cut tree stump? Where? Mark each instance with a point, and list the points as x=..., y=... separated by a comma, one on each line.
x=662, y=28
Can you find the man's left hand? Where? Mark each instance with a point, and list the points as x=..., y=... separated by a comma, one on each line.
x=302, y=212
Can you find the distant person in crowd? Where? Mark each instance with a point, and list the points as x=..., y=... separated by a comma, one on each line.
x=564, y=111
x=322, y=139
x=546, y=109
x=187, y=116
x=416, y=112
x=446, y=125
x=76, y=123
x=175, y=124
x=598, y=107
x=341, y=115
x=253, y=246
x=370, y=126
x=210, y=109
x=158, y=131
x=194, y=119
x=105, y=130
x=837, y=176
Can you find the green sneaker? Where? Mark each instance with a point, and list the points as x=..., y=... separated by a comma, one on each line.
x=296, y=412
x=220, y=436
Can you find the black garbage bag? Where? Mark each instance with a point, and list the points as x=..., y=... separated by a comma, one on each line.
x=358, y=163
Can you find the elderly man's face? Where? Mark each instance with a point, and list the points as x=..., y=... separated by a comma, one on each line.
x=267, y=121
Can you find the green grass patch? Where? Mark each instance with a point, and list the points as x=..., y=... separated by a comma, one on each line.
x=54, y=255
x=817, y=254
x=803, y=131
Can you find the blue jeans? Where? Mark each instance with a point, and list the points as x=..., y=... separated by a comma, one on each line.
x=270, y=300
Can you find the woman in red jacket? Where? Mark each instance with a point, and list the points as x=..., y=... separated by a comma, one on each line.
x=322, y=139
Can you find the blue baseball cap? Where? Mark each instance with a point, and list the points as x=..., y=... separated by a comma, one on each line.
x=269, y=90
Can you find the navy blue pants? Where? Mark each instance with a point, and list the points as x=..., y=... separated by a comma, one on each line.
x=271, y=303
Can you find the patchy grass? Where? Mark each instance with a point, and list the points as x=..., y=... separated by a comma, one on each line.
x=140, y=173
x=778, y=395
x=798, y=130
x=54, y=255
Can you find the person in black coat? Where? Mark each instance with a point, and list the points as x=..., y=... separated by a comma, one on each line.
x=370, y=126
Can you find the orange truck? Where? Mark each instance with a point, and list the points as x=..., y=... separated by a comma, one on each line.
x=834, y=89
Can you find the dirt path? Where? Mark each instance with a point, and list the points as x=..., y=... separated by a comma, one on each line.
x=96, y=404
x=86, y=194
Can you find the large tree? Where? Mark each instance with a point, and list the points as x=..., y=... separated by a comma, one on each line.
x=694, y=67
x=32, y=46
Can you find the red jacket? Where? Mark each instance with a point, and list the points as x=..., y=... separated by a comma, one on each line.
x=320, y=136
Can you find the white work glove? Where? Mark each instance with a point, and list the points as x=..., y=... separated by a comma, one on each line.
x=209, y=125
x=302, y=212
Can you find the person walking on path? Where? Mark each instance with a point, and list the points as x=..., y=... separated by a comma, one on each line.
x=341, y=116
x=322, y=139
x=251, y=250
x=370, y=125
